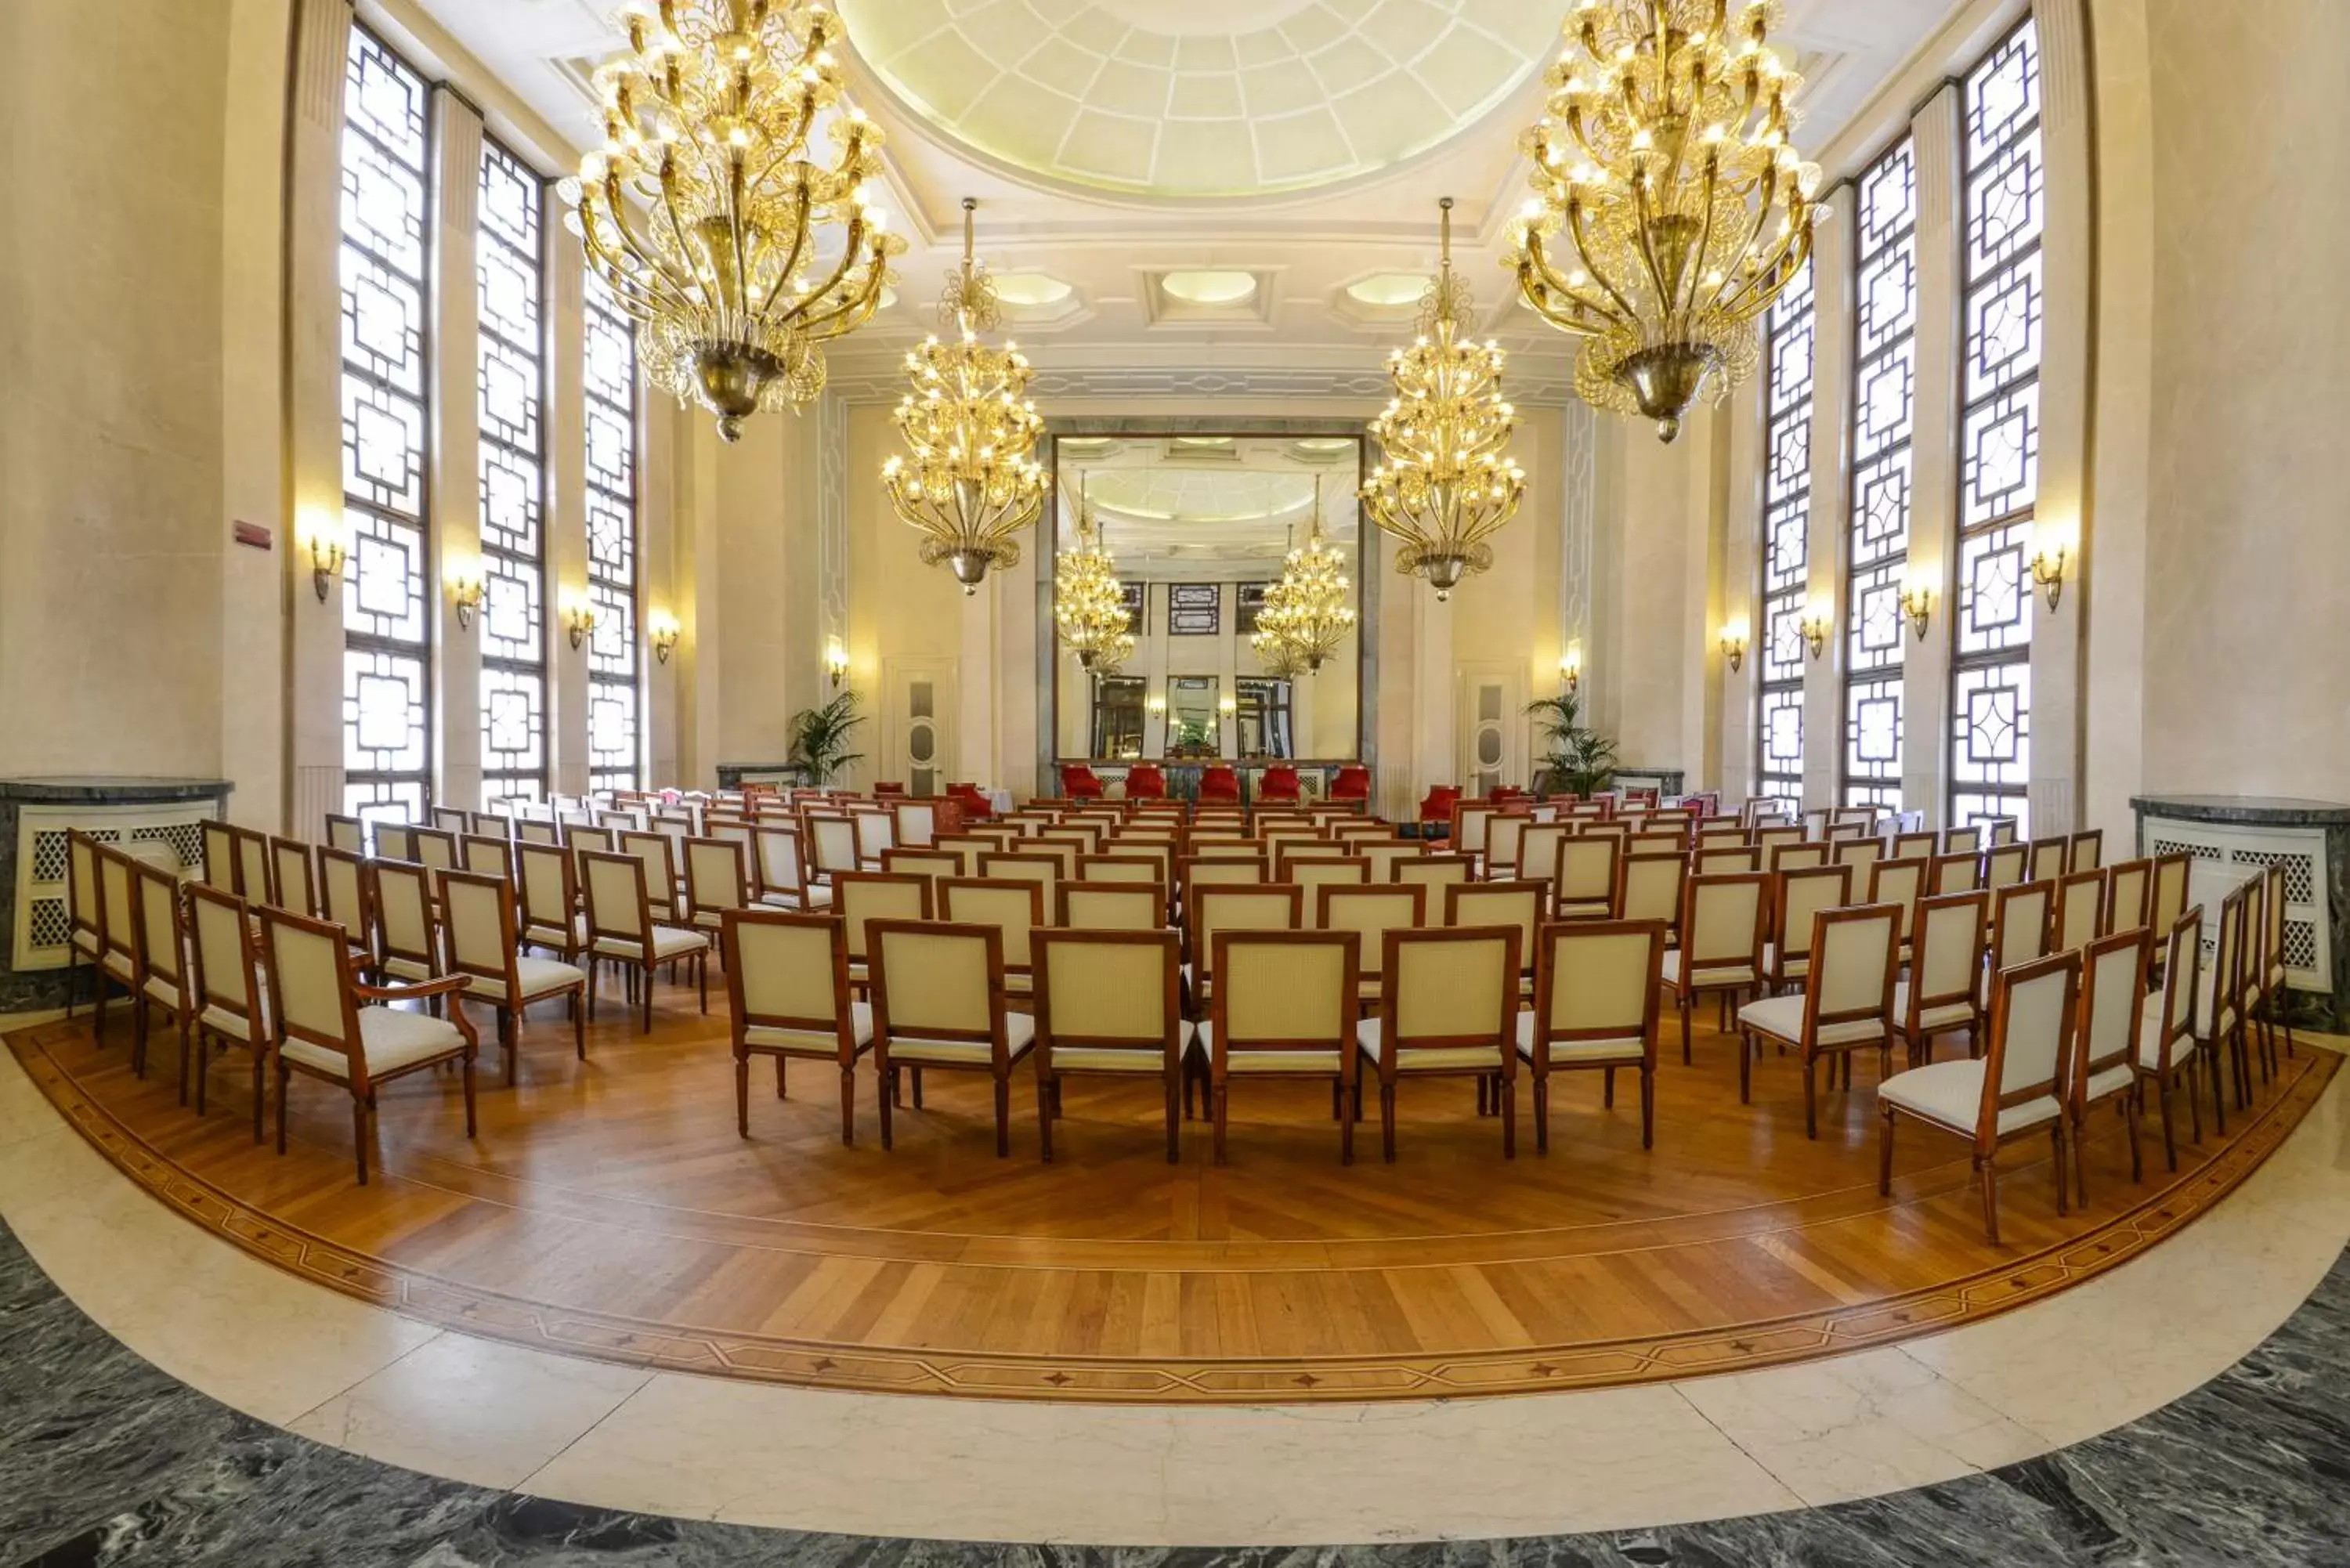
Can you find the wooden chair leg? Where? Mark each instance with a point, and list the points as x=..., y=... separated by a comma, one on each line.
x=1647, y=1107
x=1044, y=1115
x=359, y=1136
x=1608, y=1088
x=917, y=1075
x=1685, y=1001
x=204, y=1060
x=888, y=1096
x=743, y=1096
x=1884, y=1151
x=1745, y=1068
x=284, y=1073
x=2194, y=1105
x=1542, y=1113
x=1509, y=1116
x=1216, y=1097
x=2080, y=1158
x=849, y=1107
x=1002, y=1120
x=1174, y=1114
x=1986, y=1177
x=2169, y=1137
x=782, y=1088
x=203, y=1070
x=1386, y=1120
x=579, y=1029
x=472, y=1118
x=1811, y=1096
x=2056, y=1137
x=2131, y=1114
x=1353, y=1113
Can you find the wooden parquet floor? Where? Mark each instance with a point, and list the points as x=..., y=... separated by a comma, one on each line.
x=608, y=1209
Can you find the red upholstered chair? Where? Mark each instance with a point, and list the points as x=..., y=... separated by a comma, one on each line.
x=1078, y=782
x=973, y=804
x=1280, y=783
x=886, y=787
x=1220, y=784
x=1503, y=793
x=1145, y=782
x=1438, y=806
x=1352, y=786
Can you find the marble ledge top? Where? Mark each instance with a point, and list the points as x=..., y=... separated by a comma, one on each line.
x=2271, y=811
x=87, y=789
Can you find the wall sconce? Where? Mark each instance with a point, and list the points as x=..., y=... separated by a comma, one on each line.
x=1918, y=604
x=324, y=537
x=467, y=588
x=835, y=662
x=660, y=627
x=2048, y=571
x=1570, y=667
x=580, y=621
x=1227, y=705
x=1815, y=628
x=1155, y=705
x=1733, y=643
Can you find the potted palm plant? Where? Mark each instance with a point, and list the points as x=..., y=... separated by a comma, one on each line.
x=820, y=739
x=1580, y=761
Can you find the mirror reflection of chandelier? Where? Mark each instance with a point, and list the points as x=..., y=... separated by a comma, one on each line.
x=1309, y=613
x=1445, y=481
x=1089, y=600
x=973, y=481
x=706, y=209
x=1657, y=168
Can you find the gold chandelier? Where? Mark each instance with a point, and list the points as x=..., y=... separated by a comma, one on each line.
x=1659, y=163
x=1089, y=600
x=710, y=218
x=974, y=481
x=1445, y=481
x=1309, y=612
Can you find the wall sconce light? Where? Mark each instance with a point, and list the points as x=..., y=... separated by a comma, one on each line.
x=467, y=588
x=1815, y=628
x=835, y=662
x=1155, y=705
x=1918, y=604
x=661, y=629
x=1733, y=643
x=1227, y=705
x=324, y=536
x=2048, y=571
x=1570, y=667
x=580, y=621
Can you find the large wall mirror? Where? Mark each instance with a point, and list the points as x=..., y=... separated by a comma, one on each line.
x=1199, y=525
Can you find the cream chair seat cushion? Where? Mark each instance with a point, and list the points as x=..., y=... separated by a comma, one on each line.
x=86, y=942
x=221, y=1021
x=668, y=943
x=546, y=933
x=1144, y=1059
x=2150, y=1038
x=538, y=977
x=391, y=1038
x=1617, y=1048
x=1370, y=1038
x=1798, y=968
x=118, y=966
x=2112, y=1081
x=407, y=969
x=1730, y=974
x=1019, y=1036
x=1782, y=1018
x=1247, y=1061
x=164, y=990
x=1950, y=1094
x=861, y=1028
x=1584, y=909
x=1949, y=1015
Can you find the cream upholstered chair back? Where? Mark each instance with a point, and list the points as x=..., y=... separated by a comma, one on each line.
x=403, y=913
x=1768, y=836
x=1959, y=873
x=1517, y=904
x=2272, y=902
x=1861, y=854
x=532, y=830
x=1121, y=867
x=1650, y=888
x=2113, y=1004
x=1386, y=854
x=1948, y=958
x=584, y=839
x=1722, y=924
x=1538, y=845
x=1044, y=870
x=436, y=848
x=310, y=984
x=2033, y=1012
x=2182, y=972
x=934, y=863
x=1726, y=859
x=1470, y=824
x=1263, y=907
x=2080, y=908
x=2129, y=886
x=548, y=886
x=2004, y=865
x=1798, y=857
x=221, y=867
x=785, y=971
x=1012, y=906
x=1060, y=852
x=1312, y=876
x=1582, y=875
x=2021, y=923
x=162, y=932
x=255, y=875
x=82, y=901
x=877, y=830
x=1967, y=840
x=224, y=975
x=862, y=898
x=1113, y=906
x=1370, y=912
x=777, y=847
x=2085, y=850
x=916, y=822
x=715, y=881
x=1285, y=990
x=394, y=840
x=1901, y=883
x=1915, y=845
x=342, y=891
x=478, y=914
x=830, y=844
x=486, y=856
x=1452, y=986
x=346, y=833
x=618, y=907
x=1801, y=895
x=1432, y=870
x=1854, y=954
x=1108, y=988
x=2250, y=963
x=2168, y=899
x=294, y=876
x=660, y=868
x=2048, y=858
x=937, y=979
x=1288, y=854
x=1597, y=980
x=2226, y=954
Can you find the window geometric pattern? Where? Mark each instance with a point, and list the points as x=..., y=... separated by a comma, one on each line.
x=614, y=704
x=1786, y=524
x=1885, y=400
x=1998, y=433
x=386, y=161
x=511, y=378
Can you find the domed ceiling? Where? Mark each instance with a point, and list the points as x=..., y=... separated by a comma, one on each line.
x=1201, y=98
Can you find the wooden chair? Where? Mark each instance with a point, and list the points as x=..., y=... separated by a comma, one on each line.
x=1649, y=886
x=393, y=841
x=2167, y=1045
x=2004, y=866
x=1211, y=907
x=1310, y=876
x=256, y=870
x=2084, y=851
x=621, y=930
x=85, y=919
x=1370, y=911
x=407, y=946
x=860, y=898
x=1538, y=845
x=225, y=984
x=1724, y=920
x=1448, y=1006
x=2166, y=901
x=1901, y=882
x=1941, y=994
x=1286, y=1008
x=1595, y=1007
x=2013, y=1091
x=1953, y=874
x=2106, y=1044
x=1915, y=845
x=913, y=823
x=829, y=844
x=788, y=994
x=550, y=915
x=1798, y=857
x=945, y=1010
x=783, y=877
x=160, y=969
x=2049, y=858
x=1795, y=897
x=2251, y=968
x=1108, y=1001
x=2022, y=918
x=2276, y=1002
x=1014, y=908
x=1432, y=869
x=346, y=833
x=2080, y=909
x=2129, y=890
x=436, y=849
x=1861, y=854
x=1113, y=906
x=486, y=855
x=2219, y=1027
x=329, y=1026
x=477, y=914
x=1524, y=904
x=118, y=932
x=1966, y=840
x=1583, y=874
x=716, y=879
x=1846, y=1006
x=294, y=876
x=661, y=885
x=1726, y=859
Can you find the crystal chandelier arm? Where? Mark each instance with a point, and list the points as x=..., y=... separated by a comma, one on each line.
x=1578, y=214
x=790, y=266
x=663, y=286
x=835, y=322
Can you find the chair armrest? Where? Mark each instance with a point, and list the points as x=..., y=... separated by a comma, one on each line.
x=415, y=990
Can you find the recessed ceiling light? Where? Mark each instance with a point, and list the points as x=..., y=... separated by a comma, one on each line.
x=1209, y=287
x=1203, y=441
x=1032, y=288
x=1327, y=443
x=1087, y=443
x=1387, y=290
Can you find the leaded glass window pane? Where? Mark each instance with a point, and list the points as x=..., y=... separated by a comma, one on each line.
x=1884, y=417
x=1787, y=528
x=613, y=702
x=510, y=377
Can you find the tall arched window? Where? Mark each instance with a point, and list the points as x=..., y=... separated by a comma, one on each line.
x=512, y=386
x=1884, y=405
x=1999, y=435
x=1786, y=547
x=386, y=412
x=613, y=703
